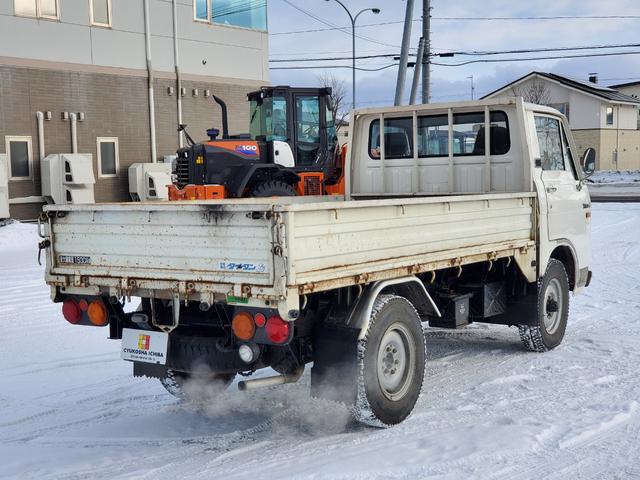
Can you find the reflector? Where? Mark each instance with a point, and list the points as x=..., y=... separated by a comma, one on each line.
x=260, y=319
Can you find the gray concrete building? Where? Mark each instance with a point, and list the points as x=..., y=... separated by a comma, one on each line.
x=123, y=74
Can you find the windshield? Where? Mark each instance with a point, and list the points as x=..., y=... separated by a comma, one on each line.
x=269, y=119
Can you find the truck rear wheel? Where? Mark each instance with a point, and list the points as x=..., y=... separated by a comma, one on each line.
x=273, y=188
x=553, y=310
x=196, y=387
x=391, y=359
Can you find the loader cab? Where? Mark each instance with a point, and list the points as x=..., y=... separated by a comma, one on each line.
x=300, y=117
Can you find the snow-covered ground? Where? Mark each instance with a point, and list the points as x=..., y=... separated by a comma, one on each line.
x=70, y=408
x=610, y=183
x=615, y=176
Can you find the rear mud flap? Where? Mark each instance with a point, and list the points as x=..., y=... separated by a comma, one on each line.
x=335, y=364
x=149, y=370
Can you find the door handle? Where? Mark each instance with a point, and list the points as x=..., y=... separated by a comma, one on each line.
x=552, y=189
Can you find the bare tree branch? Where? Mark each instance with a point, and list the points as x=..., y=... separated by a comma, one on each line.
x=534, y=92
x=338, y=94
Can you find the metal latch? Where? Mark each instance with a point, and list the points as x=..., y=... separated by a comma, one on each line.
x=41, y=246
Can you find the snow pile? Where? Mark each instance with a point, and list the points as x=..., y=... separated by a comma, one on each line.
x=613, y=176
x=16, y=235
x=489, y=409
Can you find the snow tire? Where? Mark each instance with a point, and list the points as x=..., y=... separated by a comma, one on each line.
x=553, y=291
x=273, y=188
x=383, y=397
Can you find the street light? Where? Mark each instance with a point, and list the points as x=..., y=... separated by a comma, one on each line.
x=353, y=19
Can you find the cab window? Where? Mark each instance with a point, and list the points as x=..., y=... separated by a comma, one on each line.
x=550, y=143
x=308, y=129
x=568, y=155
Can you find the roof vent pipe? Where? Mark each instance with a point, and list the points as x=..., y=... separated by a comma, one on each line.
x=593, y=77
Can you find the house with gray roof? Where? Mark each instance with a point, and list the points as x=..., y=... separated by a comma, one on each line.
x=600, y=117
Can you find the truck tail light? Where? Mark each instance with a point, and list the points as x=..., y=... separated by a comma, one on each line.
x=243, y=326
x=260, y=320
x=277, y=329
x=71, y=311
x=97, y=313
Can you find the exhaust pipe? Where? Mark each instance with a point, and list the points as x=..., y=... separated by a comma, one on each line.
x=270, y=381
x=225, y=119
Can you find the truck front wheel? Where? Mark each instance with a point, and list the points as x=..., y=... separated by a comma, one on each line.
x=553, y=310
x=391, y=359
x=196, y=387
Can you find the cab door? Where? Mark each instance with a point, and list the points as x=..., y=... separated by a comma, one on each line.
x=568, y=203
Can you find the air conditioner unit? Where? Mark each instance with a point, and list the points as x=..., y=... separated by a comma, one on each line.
x=68, y=178
x=4, y=187
x=148, y=181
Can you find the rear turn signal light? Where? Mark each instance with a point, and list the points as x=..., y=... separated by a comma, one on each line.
x=243, y=326
x=71, y=311
x=98, y=314
x=277, y=330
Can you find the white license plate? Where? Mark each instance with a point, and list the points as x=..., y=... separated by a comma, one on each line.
x=144, y=346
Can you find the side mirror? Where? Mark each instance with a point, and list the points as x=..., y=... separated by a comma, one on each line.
x=588, y=161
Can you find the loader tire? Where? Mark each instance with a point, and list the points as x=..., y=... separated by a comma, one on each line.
x=196, y=388
x=552, y=311
x=391, y=360
x=273, y=188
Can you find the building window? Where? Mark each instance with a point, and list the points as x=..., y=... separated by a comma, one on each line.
x=240, y=13
x=609, y=115
x=20, y=157
x=100, y=12
x=37, y=8
x=201, y=10
x=107, y=157
x=563, y=108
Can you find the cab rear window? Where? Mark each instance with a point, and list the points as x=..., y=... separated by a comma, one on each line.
x=433, y=136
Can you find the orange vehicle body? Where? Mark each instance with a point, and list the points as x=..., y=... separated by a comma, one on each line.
x=311, y=183
x=197, y=192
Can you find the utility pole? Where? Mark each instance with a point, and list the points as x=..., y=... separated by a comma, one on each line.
x=404, y=54
x=473, y=88
x=417, y=71
x=426, y=58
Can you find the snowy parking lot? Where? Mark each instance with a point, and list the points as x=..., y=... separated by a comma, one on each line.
x=489, y=409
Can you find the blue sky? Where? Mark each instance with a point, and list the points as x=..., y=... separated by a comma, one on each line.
x=452, y=83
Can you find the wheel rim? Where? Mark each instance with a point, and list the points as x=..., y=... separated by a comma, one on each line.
x=553, y=306
x=396, y=355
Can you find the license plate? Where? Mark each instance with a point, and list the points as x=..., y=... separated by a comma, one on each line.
x=144, y=346
x=75, y=259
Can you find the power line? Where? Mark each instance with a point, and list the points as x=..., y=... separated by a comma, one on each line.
x=470, y=19
x=472, y=53
x=548, y=49
x=315, y=67
x=552, y=57
x=334, y=26
x=331, y=59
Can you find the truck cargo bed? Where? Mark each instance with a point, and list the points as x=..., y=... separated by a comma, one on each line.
x=268, y=247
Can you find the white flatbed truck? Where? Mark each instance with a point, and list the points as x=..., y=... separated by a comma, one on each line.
x=458, y=213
